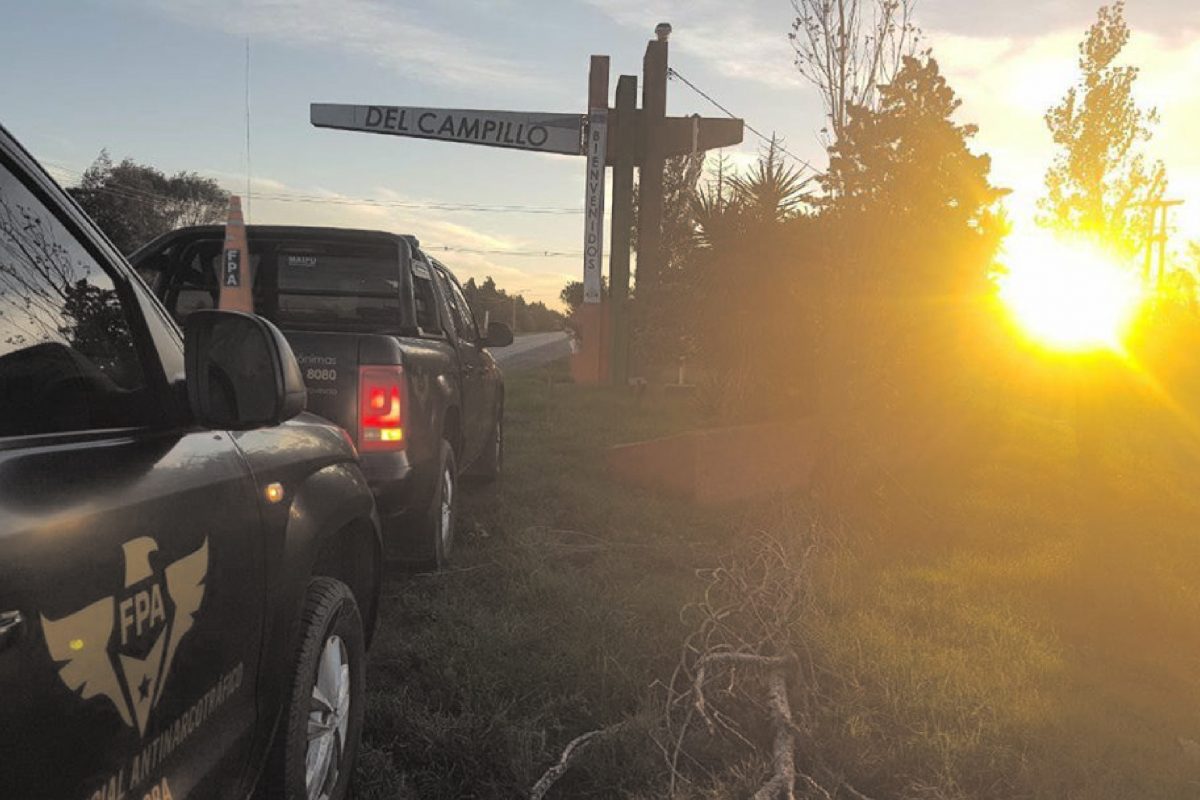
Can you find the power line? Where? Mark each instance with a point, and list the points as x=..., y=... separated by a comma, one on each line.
x=130, y=193
x=674, y=73
x=297, y=197
x=284, y=197
x=135, y=193
x=497, y=252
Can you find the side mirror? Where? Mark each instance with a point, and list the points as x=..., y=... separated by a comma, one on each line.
x=498, y=335
x=241, y=372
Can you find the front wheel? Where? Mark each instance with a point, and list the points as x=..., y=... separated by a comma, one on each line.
x=318, y=738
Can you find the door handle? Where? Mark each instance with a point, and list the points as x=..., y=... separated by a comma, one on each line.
x=11, y=623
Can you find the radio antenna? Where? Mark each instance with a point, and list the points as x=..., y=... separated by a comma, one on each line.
x=248, y=172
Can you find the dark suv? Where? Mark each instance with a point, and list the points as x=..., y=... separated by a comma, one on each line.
x=189, y=563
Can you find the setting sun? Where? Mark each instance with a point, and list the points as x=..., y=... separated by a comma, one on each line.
x=1068, y=295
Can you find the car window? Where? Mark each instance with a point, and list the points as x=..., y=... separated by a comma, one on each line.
x=67, y=355
x=192, y=284
x=424, y=299
x=460, y=309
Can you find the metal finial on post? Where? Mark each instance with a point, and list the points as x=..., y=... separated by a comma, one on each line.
x=662, y=31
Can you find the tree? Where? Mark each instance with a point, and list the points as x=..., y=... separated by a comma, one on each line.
x=906, y=279
x=661, y=315
x=750, y=233
x=848, y=49
x=910, y=162
x=133, y=203
x=1099, y=183
x=572, y=294
x=489, y=302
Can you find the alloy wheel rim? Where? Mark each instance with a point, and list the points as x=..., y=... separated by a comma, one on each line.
x=328, y=719
x=447, y=504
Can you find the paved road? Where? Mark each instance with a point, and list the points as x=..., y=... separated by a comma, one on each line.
x=533, y=350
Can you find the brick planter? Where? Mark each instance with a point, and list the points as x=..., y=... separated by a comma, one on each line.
x=720, y=465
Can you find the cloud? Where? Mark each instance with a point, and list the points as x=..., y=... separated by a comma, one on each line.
x=1170, y=19
x=382, y=32
x=742, y=40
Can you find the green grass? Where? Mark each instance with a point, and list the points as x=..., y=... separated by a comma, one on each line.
x=561, y=608
x=1031, y=633
x=1028, y=628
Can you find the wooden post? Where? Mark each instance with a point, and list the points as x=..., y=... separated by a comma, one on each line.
x=622, y=225
x=650, y=188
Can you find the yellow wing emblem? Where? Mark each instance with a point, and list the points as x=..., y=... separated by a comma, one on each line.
x=81, y=640
x=185, y=584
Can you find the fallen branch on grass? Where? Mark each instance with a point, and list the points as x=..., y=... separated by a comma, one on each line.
x=710, y=659
x=783, y=752
x=448, y=573
x=751, y=620
x=569, y=753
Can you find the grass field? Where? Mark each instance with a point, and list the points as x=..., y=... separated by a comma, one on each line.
x=1024, y=629
x=561, y=608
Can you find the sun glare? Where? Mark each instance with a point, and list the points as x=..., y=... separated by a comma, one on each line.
x=1068, y=295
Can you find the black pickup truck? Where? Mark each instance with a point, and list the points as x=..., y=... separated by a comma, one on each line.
x=189, y=562
x=389, y=349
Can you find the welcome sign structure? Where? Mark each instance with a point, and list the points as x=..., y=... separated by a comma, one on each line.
x=622, y=138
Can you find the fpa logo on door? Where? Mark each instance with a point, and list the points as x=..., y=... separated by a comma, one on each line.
x=122, y=647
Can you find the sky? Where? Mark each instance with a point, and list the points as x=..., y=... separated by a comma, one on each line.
x=164, y=82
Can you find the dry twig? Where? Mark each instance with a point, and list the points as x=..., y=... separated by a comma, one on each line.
x=569, y=753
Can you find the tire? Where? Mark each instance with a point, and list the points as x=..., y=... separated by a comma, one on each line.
x=491, y=463
x=331, y=655
x=432, y=531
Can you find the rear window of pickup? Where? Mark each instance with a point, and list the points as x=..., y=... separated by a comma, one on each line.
x=336, y=285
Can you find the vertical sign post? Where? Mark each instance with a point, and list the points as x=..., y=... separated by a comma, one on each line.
x=597, y=151
x=590, y=364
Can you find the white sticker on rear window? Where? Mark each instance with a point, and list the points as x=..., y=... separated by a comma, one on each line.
x=421, y=271
x=301, y=261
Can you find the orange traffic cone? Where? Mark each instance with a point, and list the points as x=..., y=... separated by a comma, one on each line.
x=237, y=284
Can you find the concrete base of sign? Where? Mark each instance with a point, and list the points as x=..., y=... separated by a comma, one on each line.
x=721, y=465
x=590, y=364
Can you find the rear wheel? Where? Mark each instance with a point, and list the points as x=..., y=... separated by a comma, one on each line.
x=491, y=463
x=431, y=534
x=318, y=739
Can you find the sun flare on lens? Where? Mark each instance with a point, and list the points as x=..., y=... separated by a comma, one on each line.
x=1068, y=295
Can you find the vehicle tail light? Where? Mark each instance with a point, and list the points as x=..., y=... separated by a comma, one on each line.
x=381, y=403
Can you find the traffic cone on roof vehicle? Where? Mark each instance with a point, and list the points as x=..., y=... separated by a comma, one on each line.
x=236, y=287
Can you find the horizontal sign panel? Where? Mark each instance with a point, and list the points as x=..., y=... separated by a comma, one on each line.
x=680, y=135
x=521, y=130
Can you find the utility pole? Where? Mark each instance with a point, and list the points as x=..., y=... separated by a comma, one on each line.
x=1157, y=234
